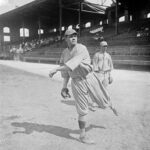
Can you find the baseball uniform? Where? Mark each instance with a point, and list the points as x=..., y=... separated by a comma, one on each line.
x=85, y=84
x=102, y=65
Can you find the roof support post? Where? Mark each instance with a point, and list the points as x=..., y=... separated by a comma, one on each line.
x=1, y=38
x=79, y=19
x=116, y=28
x=60, y=19
x=23, y=27
x=39, y=26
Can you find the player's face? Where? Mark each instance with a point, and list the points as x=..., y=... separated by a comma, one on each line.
x=104, y=48
x=71, y=39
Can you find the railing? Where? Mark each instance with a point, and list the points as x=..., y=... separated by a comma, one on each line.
x=132, y=55
x=42, y=59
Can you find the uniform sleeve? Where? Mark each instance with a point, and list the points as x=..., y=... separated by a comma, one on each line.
x=77, y=58
x=111, y=63
x=95, y=62
x=64, y=74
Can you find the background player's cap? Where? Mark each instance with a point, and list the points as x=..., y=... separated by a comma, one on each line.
x=70, y=32
x=103, y=43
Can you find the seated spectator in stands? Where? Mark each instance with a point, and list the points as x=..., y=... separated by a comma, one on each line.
x=47, y=41
x=41, y=42
x=143, y=32
x=147, y=31
x=38, y=43
x=33, y=44
x=51, y=40
x=19, y=52
x=13, y=49
x=20, y=49
x=13, y=52
x=138, y=34
x=23, y=45
x=27, y=46
x=101, y=38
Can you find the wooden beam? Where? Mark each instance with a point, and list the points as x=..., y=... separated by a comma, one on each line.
x=94, y=12
x=60, y=18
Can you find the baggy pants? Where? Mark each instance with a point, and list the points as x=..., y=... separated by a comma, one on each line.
x=104, y=77
x=89, y=89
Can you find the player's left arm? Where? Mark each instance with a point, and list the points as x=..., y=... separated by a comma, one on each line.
x=110, y=78
x=65, y=82
x=110, y=64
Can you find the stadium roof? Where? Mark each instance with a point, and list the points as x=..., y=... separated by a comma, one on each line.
x=48, y=11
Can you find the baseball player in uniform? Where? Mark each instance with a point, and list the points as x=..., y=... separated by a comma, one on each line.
x=102, y=64
x=86, y=86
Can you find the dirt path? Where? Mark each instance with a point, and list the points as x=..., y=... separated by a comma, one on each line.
x=33, y=116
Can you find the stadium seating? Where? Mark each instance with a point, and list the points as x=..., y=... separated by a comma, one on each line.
x=125, y=47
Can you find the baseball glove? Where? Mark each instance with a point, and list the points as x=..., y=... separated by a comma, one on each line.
x=65, y=93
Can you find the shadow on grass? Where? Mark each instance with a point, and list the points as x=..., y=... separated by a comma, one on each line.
x=51, y=129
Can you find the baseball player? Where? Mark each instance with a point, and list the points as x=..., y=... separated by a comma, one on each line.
x=86, y=86
x=102, y=66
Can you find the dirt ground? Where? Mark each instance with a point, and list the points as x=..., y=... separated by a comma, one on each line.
x=33, y=116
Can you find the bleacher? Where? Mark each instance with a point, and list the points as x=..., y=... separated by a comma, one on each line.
x=125, y=48
x=44, y=55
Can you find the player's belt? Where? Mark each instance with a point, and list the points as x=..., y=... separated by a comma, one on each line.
x=102, y=72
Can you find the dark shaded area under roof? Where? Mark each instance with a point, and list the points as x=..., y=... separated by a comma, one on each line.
x=135, y=5
x=48, y=12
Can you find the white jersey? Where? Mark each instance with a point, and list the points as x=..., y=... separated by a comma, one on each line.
x=78, y=60
x=102, y=62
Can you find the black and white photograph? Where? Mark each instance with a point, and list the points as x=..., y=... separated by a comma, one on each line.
x=74, y=75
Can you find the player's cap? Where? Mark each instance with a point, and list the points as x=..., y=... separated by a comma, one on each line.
x=70, y=32
x=103, y=43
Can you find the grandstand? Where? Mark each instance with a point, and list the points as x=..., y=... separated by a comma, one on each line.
x=129, y=47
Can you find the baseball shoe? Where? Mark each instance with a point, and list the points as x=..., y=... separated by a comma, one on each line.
x=86, y=140
x=92, y=108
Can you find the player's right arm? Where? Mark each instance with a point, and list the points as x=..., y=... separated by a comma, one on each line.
x=62, y=68
x=65, y=82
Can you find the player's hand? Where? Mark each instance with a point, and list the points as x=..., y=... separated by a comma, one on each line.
x=52, y=72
